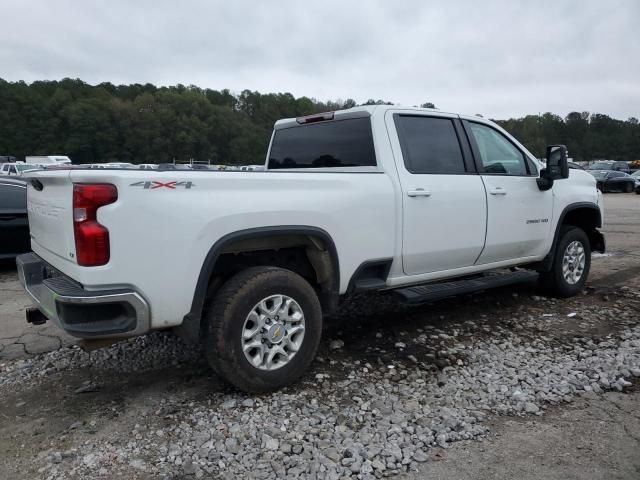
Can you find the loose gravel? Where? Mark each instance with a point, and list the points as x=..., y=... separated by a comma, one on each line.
x=348, y=417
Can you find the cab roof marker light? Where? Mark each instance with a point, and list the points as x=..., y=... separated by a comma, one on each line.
x=322, y=117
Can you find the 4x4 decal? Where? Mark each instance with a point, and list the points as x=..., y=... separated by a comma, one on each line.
x=152, y=185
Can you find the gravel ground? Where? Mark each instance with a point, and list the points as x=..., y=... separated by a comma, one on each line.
x=392, y=391
x=399, y=404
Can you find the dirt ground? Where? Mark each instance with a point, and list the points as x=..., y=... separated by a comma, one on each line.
x=595, y=437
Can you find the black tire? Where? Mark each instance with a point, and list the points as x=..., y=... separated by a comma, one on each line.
x=600, y=186
x=224, y=319
x=628, y=188
x=554, y=281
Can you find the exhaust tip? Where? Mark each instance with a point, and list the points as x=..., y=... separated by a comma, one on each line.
x=35, y=316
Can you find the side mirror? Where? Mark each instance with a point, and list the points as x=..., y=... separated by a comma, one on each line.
x=557, y=167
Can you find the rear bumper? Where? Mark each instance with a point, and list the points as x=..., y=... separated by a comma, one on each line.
x=114, y=313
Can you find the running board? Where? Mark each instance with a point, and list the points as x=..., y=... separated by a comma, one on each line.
x=437, y=291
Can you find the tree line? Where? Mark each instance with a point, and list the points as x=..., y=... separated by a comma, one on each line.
x=148, y=124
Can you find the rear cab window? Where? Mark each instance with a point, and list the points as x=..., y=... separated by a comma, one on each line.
x=330, y=144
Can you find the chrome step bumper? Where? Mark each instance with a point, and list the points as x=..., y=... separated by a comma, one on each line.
x=113, y=313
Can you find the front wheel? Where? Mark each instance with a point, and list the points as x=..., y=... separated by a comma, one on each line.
x=628, y=188
x=571, y=264
x=262, y=329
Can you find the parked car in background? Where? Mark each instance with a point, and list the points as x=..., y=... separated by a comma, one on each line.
x=617, y=166
x=148, y=166
x=575, y=166
x=17, y=169
x=113, y=165
x=174, y=166
x=14, y=225
x=47, y=159
x=8, y=159
x=636, y=176
x=612, y=181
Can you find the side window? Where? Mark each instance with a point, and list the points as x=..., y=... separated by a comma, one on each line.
x=429, y=145
x=497, y=153
x=12, y=169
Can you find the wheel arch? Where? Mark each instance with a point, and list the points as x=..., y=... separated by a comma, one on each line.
x=585, y=215
x=319, y=247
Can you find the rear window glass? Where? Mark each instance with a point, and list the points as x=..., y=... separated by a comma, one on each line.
x=340, y=143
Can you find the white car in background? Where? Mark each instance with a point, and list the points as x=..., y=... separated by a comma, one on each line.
x=112, y=165
x=48, y=160
x=17, y=169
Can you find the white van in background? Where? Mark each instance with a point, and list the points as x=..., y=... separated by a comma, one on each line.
x=48, y=160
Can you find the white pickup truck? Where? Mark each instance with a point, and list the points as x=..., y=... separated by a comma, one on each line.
x=425, y=203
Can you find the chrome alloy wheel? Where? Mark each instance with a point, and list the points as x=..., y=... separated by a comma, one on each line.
x=273, y=332
x=573, y=262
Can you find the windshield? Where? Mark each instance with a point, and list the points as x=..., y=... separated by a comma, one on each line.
x=26, y=168
x=636, y=174
x=601, y=166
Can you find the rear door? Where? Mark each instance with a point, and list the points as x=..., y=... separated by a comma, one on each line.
x=443, y=199
x=519, y=213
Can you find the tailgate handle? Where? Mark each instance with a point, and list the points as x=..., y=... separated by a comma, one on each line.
x=37, y=184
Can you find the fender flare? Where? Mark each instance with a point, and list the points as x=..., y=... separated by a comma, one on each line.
x=548, y=260
x=329, y=299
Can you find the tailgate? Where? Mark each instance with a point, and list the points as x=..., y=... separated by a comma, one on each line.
x=50, y=210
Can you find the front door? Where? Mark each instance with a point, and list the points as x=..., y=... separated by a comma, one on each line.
x=443, y=199
x=519, y=213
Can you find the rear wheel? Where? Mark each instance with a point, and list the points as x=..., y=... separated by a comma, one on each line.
x=262, y=329
x=571, y=264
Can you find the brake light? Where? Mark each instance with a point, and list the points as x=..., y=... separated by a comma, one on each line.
x=321, y=117
x=92, y=239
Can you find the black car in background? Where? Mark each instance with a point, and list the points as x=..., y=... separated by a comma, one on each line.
x=618, y=166
x=14, y=226
x=612, y=181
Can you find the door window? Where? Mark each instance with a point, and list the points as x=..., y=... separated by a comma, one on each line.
x=429, y=145
x=497, y=154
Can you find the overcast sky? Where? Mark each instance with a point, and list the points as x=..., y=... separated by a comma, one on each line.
x=497, y=58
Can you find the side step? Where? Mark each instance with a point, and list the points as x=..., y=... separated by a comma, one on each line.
x=437, y=291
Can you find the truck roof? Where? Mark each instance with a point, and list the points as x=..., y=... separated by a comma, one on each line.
x=366, y=110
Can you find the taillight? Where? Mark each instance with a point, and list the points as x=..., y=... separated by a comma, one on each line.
x=92, y=239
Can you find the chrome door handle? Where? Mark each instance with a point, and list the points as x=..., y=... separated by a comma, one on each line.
x=419, y=192
x=498, y=191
